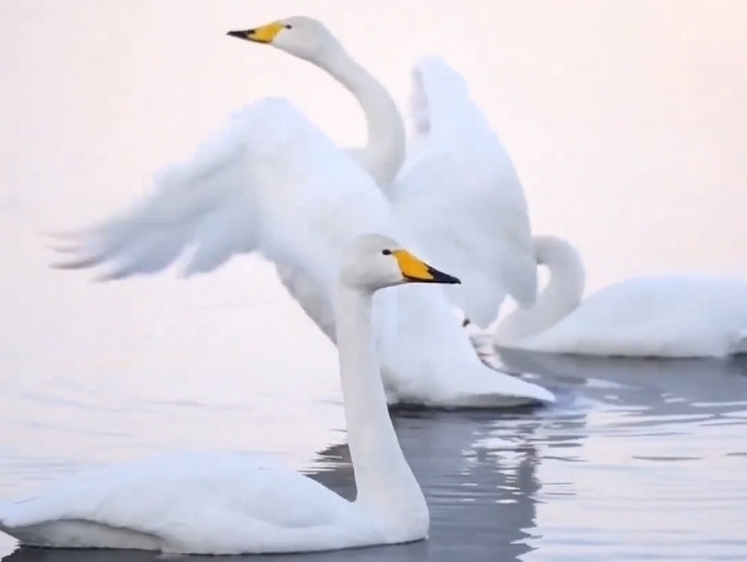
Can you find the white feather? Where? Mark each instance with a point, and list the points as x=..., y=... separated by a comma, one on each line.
x=271, y=182
x=459, y=174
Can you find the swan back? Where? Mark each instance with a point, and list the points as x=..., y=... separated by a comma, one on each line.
x=666, y=316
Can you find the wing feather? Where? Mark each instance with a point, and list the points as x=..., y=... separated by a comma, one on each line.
x=267, y=181
x=460, y=172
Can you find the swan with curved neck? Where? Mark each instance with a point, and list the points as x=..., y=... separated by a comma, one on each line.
x=481, y=230
x=230, y=506
x=558, y=299
x=667, y=316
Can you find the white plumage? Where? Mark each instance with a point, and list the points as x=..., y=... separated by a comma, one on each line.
x=271, y=182
x=459, y=172
x=456, y=189
x=665, y=316
x=239, y=504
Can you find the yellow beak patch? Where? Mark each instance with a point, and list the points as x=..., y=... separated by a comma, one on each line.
x=411, y=267
x=265, y=33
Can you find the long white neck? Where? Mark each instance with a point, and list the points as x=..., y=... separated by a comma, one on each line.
x=382, y=476
x=562, y=295
x=384, y=153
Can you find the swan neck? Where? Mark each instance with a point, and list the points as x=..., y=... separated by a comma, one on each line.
x=382, y=476
x=384, y=152
x=560, y=297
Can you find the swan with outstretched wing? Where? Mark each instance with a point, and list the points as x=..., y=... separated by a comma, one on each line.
x=453, y=170
x=271, y=182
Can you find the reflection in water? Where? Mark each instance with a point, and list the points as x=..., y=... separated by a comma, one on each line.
x=481, y=496
x=639, y=460
x=660, y=472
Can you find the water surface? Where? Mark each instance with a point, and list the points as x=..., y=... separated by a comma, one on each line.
x=640, y=460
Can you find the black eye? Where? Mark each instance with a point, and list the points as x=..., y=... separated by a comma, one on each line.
x=288, y=26
x=386, y=252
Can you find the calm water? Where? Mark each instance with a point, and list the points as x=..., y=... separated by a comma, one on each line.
x=640, y=460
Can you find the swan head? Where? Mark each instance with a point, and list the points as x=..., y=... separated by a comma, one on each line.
x=372, y=262
x=301, y=36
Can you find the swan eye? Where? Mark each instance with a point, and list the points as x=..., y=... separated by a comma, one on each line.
x=288, y=26
x=386, y=252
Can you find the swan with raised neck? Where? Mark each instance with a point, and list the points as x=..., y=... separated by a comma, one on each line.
x=161, y=505
x=308, y=39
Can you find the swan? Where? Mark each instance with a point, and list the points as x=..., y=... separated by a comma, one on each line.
x=453, y=170
x=665, y=316
x=234, y=505
x=271, y=182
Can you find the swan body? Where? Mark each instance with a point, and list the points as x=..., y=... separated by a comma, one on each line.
x=235, y=504
x=456, y=172
x=271, y=182
x=666, y=316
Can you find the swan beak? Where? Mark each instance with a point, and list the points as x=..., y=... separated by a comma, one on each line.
x=263, y=34
x=417, y=271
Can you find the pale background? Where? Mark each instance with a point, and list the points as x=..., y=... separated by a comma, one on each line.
x=626, y=121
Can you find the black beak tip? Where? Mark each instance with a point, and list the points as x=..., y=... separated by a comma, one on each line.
x=445, y=278
x=239, y=34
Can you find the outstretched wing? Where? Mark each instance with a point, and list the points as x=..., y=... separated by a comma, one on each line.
x=460, y=172
x=267, y=181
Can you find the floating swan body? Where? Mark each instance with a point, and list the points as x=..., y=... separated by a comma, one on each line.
x=238, y=504
x=456, y=172
x=667, y=316
x=271, y=182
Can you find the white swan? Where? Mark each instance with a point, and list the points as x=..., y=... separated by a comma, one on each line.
x=230, y=505
x=457, y=173
x=672, y=316
x=270, y=181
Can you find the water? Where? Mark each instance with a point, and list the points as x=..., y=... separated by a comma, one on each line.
x=640, y=460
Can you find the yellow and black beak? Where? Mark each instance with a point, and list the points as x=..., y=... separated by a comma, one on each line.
x=417, y=271
x=262, y=34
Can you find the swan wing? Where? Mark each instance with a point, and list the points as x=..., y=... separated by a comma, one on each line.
x=271, y=182
x=266, y=181
x=460, y=173
x=212, y=504
x=312, y=297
